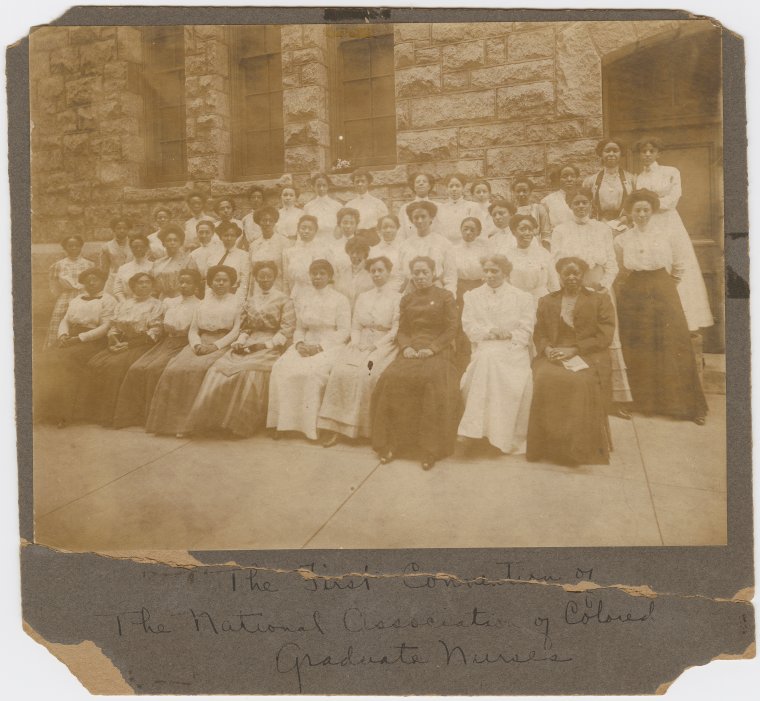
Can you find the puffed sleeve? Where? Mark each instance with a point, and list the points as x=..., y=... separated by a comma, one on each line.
x=391, y=335
x=610, y=265
x=119, y=291
x=669, y=200
x=449, y=275
x=193, y=333
x=108, y=306
x=287, y=325
x=232, y=334
x=451, y=316
x=474, y=324
x=544, y=224
x=522, y=333
x=604, y=328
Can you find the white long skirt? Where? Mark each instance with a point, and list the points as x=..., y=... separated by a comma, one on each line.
x=296, y=388
x=497, y=389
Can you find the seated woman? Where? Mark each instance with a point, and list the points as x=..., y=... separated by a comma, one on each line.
x=653, y=327
x=346, y=407
x=532, y=266
x=496, y=387
x=166, y=269
x=134, y=328
x=215, y=325
x=140, y=263
x=297, y=384
x=351, y=274
x=58, y=373
x=234, y=393
x=571, y=374
x=137, y=390
x=416, y=404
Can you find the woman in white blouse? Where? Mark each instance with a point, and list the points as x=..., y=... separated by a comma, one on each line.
x=611, y=185
x=591, y=241
x=215, y=325
x=345, y=408
x=564, y=179
x=323, y=207
x=390, y=248
x=665, y=182
x=653, y=329
x=370, y=208
x=299, y=377
x=136, y=393
x=422, y=185
x=290, y=213
x=533, y=268
x=453, y=210
x=235, y=258
x=210, y=249
x=497, y=387
x=140, y=263
x=297, y=258
x=269, y=245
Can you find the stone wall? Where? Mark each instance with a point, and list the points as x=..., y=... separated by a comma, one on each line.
x=487, y=99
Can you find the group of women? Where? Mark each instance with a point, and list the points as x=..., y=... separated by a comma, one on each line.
x=513, y=325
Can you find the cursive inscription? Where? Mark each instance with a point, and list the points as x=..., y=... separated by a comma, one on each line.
x=595, y=610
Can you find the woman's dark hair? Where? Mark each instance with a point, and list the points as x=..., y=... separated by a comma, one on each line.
x=392, y=217
x=206, y=222
x=116, y=220
x=379, y=259
x=515, y=220
x=602, y=143
x=522, y=179
x=68, y=238
x=212, y=272
x=427, y=260
x=571, y=195
x=356, y=245
x=195, y=193
x=562, y=263
x=290, y=186
x=218, y=203
x=428, y=176
x=160, y=209
x=132, y=282
x=172, y=228
x=362, y=171
x=322, y=264
x=256, y=188
x=505, y=265
x=320, y=176
x=504, y=204
x=139, y=237
x=260, y=265
x=478, y=223
x=192, y=273
x=429, y=207
x=271, y=211
x=556, y=173
x=223, y=227
x=480, y=181
x=653, y=140
x=92, y=271
x=344, y=212
x=642, y=195
x=461, y=177
x=310, y=218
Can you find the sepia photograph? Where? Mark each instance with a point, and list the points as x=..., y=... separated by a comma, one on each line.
x=378, y=285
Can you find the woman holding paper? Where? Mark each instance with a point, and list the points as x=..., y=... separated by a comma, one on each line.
x=571, y=374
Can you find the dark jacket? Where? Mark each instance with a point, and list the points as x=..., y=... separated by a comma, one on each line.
x=428, y=319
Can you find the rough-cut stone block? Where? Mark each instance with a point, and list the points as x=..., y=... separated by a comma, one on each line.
x=75, y=145
x=488, y=135
x=301, y=104
x=209, y=142
x=312, y=133
x=129, y=43
x=65, y=60
x=501, y=162
x=206, y=167
x=414, y=82
x=579, y=73
x=456, y=108
x=50, y=88
x=424, y=57
x=554, y=131
x=449, y=33
x=301, y=158
x=403, y=55
x=94, y=56
x=429, y=145
x=610, y=36
x=462, y=56
x=204, y=32
x=315, y=35
x=213, y=58
x=403, y=115
x=512, y=74
x=49, y=38
x=291, y=36
x=83, y=35
x=571, y=151
x=133, y=148
x=530, y=99
x=411, y=31
x=86, y=118
x=83, y=90
x=107, y=147
x=293, y=80
x=116, y=71
x=66, y=121
x=43, y=140
x=122, y=125
x=314, y=74
x=456, y=81
x=48, y=161
x=523, y=46
x=594, y=126
x=496, y=50
x=310, y=55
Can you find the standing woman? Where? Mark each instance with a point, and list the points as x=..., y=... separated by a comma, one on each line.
x=351, y=273
x=481, y=200
x=611, y=185
x=370, y=208
x=345, y=408
x=215, y=325
x=63, y=277
x=140, y=263
x=323, y=207
x=522, y=190
x=136, y=393
x=210, y=249
x=299, y=377
x=234, y=394
x=591, y=241
x=500, y=237
x=162, y=217
x=416, y=404
x=115, y=252
x=290, y=212
x=390, y=248
x=134, y=328
x=225, y=209
x=270, y=244
x=196, y=203
x=564, y=179
x=166, y=269
x=665, y=182
x=297, y=259
x=422, y=185
x=251, y=229
x=533, y=269
x=571, y=374
x=496, y=387
x=346, y=229
x=452, y=211
x=653, y=328
x=235, y=258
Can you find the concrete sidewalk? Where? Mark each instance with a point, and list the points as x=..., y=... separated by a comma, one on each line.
x=101, y=489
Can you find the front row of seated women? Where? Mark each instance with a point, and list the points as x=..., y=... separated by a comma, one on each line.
x=388, y=372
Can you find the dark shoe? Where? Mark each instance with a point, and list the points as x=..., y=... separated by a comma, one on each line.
x=330, y=441
x=699, y=420
x=428, y=462
x=386, y=457
x=621, y=412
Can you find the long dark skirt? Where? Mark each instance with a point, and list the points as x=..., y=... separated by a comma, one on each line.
x=416, y=407
x=139, y=385
x=657, y=347
x=568, y=414
x=104, y=376
x=58, y=380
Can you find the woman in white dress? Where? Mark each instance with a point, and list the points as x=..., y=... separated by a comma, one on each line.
x=269, y=245
x=564, y=179
x=422, y=185
x=323, y=207
x=115, y=252
x=665, y=181
x=166, y=269
x=290, y=213
x=251, y=229
x=140, y=263
x=234, y=257
x=454, y=209
x=390, y=248
x=500, y=237
x=225, y=208
x=611, y=185
x=297, y=258
x=522, y=191
x=533, y=268
x=162, y=217
x=370, y=208
x=351, y=274
x=346, y=406
x=299, y=377
x=210, y=249
x=481, y=201
x=591, y=241
x=497, y=387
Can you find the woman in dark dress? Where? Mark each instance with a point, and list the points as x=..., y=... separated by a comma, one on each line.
x=416, y=405
x=654, y=333
x=572, y=389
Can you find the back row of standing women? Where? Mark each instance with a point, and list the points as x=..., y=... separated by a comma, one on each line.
x=302, y=396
